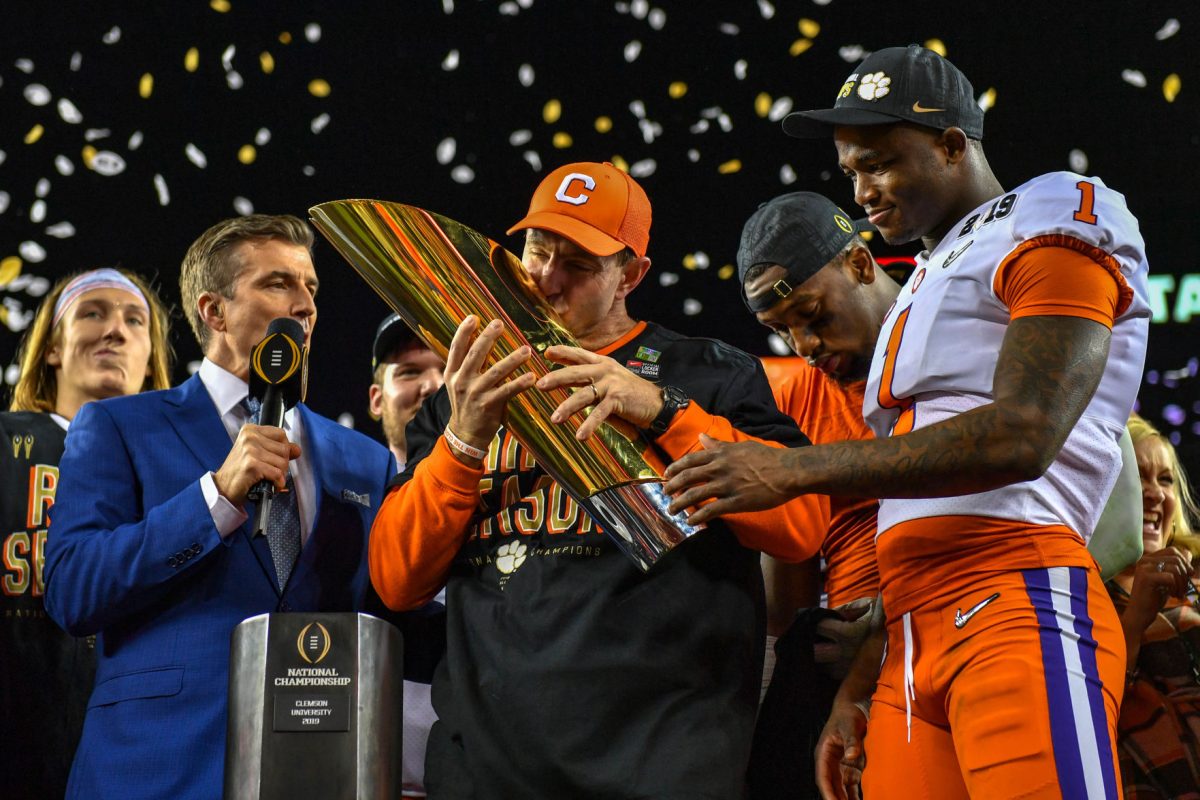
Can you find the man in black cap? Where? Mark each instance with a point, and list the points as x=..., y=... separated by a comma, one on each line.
x=999, y=387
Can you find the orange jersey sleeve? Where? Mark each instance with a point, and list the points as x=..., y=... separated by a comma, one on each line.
x=788, y=532
x=420, y=527
x=1050, y=277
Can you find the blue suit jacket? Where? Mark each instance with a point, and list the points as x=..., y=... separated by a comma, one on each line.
x=133, y=556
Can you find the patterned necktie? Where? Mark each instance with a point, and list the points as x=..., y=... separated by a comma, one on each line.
x=252, y=407
x=283, y=525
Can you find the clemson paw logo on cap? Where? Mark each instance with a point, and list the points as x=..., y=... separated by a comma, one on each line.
x=510, y=556
x=874, y=85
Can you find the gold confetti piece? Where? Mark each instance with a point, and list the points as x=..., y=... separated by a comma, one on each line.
x=731, y=166
x=285, y=38
x=800, y=46
x=689, y=261
x=867, y=235
x=937, y=46
x=319, y=87
x=677, y=89
x=810, y=28
x=1171, y=87
x=88, y=155
x=267, y=61
x=762, y=104
x=725, y=272
x=34, y=134
x=220, y=6
x=603, y=124
x=247, y=154
x=146, y=86
x=551, y=111
x=191, y=59
x=987, y=99
x=619, y=163
x=10, y=268
x=562, y=140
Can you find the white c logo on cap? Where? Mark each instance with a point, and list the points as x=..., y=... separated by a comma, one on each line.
x=575, y=199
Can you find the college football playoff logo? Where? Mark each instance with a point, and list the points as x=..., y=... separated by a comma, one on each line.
x=313, y=642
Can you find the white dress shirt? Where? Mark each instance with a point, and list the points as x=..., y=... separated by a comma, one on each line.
x=227, y=392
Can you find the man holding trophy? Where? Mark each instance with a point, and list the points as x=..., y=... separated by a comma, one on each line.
x=571, y=672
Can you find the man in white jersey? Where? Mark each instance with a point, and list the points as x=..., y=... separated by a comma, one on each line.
x=1000, y=384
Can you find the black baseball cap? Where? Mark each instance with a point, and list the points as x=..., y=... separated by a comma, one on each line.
x=801, y=232
x=391, y=334
x=910, y=84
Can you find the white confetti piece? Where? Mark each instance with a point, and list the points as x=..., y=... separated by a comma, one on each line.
x=446, y=149
x=309, y=170
x=318, y=124
x=657, y=18
x=851, y=53
x=233, y=79
x=64, y=165
x=113, y=36
x=712, y=112
x=462, y=174
x=777, y=345
x=693, y=155
x=692, y=307
x=32, y=252
x=3, y=155
x=525, y=75
x=650, y=130
x=667, y=279
x=447, y=6
x=312, y=32
x=195, y=155
x=739, y=69
x=18, y=319
x=1134, y=78
x=825, y=175
x=633, y=50
x=729, y=29
x=4, y=201
x=533, y=160
x=639, y=9
x=107, y=163
x=262, y=137
x=243, y=206
x=96, y=134
x=643, y=168
x=699, y=126
x=76, y=61
x=450, y=62
x=526, y=4
x=38, y=286
x=622, y=8
x=346, y=420
x=787, y=175
x=37, y=94
x=227, y=57
x=37, y=212
x=1169, y=29
x=25, y=65
x=638, y=109
x=987, y=100
x=160, y=188
x=135, y=140
x=42, y=188
x=518, y=138
x=69, y=113
x=61, y=230
x=766, y=9
x=12, y=374
x=509, y=9
x=779, y=109
x=725, y=122
x=702, y=261
x=1078, y=161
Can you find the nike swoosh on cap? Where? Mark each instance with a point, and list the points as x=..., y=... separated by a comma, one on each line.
x=920, y=109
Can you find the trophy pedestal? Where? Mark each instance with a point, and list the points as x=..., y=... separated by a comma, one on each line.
x=314, y=708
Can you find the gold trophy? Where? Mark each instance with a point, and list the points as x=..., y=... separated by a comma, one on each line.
x=435, y=272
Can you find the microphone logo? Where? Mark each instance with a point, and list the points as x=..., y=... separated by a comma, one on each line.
x=276, y=359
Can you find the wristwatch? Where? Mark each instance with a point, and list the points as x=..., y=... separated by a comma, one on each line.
x=673, y=400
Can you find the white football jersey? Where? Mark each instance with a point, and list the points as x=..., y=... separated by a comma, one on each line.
x=947, y=327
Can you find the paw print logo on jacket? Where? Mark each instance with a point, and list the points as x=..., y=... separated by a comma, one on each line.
x=510, y=556
x=874, y=85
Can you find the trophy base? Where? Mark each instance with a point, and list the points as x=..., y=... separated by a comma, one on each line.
x=635, y=516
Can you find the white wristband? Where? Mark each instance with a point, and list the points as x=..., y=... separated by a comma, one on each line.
x=462, y=447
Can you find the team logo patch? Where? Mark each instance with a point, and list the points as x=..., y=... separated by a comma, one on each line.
x=843, y=223
x=916, y=283
x=642, y=368
x=874, y=86
x=510, y=557
x=648, y=354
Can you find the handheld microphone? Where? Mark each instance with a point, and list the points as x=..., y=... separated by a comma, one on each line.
x=278, y=379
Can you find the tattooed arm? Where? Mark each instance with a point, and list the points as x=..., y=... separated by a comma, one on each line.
x=1047, y=371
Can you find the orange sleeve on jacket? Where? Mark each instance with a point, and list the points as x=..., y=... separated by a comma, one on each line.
x=790, y=532
x=1058, y=276
x=420, y=527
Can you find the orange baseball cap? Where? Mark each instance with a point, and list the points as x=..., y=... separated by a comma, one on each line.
x=596, y=206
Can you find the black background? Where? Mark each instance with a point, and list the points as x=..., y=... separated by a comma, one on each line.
x=1057, y=70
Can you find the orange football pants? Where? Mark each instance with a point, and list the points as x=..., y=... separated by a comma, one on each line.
x=1012, y=691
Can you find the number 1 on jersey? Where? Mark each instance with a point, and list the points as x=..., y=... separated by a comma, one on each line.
x=1087, y=202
